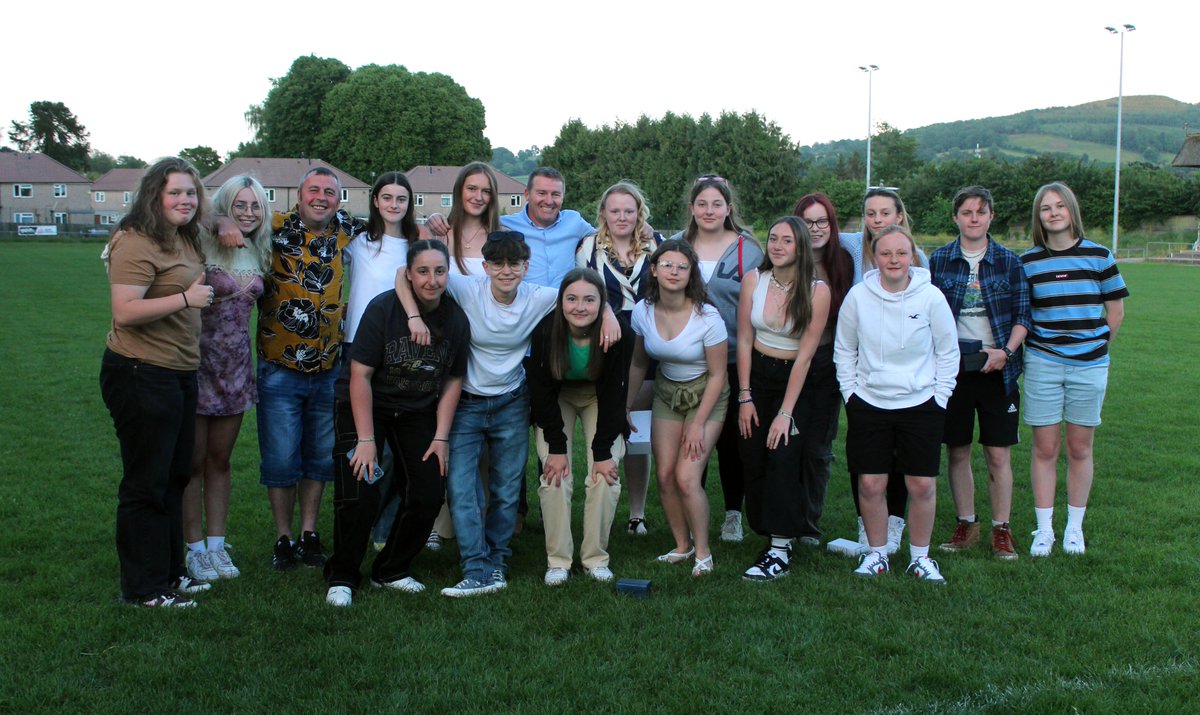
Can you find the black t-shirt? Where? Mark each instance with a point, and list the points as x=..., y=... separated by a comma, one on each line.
x=407, y=376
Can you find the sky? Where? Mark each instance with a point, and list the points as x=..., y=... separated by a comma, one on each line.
x=149, y=80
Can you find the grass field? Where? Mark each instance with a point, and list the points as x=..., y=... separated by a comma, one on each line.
x=1113, y=631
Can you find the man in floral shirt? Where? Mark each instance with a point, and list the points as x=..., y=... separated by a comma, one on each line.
x=299, y=335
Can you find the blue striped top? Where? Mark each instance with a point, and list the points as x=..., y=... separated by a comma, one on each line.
x=1067, y=293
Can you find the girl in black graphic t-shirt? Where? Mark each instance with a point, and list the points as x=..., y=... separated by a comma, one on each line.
x=405, y=393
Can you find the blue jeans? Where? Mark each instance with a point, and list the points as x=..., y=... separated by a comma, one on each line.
x=295, y=425
x=501, y=422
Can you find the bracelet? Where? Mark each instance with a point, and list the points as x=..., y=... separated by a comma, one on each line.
x=781, y=413
x=185, y=303
x=418, y=315
x=747, y=401
x=743, y=389
x=439, y=439
x=366, y=439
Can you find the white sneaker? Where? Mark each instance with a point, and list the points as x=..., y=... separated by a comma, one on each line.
x=1043, y=539
x=556, y=576
x=200, y=566
x=223, y=564
x=895, y=534
x=408, y=584
x=1073, y=541
x=862, y=533
x=926, y=569
x=339, y=596
x=731, y=530
x=434, y=542
x=603, y=574
x=872, y=563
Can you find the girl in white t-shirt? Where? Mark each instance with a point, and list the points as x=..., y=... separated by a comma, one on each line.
x=677, y=326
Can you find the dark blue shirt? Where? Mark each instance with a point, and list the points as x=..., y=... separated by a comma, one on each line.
x=1003, y=286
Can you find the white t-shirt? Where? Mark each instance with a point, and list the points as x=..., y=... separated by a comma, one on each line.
x=499, y=333
x=371, y=269
x=681, y=358
x=474, y=265
x=973, y=321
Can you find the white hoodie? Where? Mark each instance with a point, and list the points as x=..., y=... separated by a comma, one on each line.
x=896, y=350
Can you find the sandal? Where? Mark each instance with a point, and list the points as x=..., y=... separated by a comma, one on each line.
x=674, y=557
x=703, y=566
x=637, y=526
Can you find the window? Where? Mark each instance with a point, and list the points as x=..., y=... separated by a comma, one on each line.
x=60, y=217
x=22, y=217
x=446, y=202
x=271, y=196
x=98, y=197
x=107, y=220
x=420, y=199
x=345, y=195
x=127, y=197
x=60, y=191
x=514, y=200
x=22, y=191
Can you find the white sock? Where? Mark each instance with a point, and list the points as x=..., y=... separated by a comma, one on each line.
x=196, y=545
x=1075, y=517
x=969, y=518
x=1045, y=518
x=216, y=543
x=916, y=552
x=998, y=523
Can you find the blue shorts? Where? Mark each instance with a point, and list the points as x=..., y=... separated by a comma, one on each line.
x=295, y=425
x=1054, y=391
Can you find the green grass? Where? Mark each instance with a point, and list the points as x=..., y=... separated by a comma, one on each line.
x=1035, y=144
x=1115, y=630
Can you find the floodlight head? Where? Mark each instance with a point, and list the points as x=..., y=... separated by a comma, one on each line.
x=1129, y=28
x=1111, y=29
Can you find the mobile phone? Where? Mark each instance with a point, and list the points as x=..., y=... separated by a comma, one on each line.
x=375, y=475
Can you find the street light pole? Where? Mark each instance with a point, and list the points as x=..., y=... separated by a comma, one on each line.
x=1122, y=31
x=870, y=70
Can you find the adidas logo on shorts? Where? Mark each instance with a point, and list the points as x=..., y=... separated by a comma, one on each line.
x=1011, y=408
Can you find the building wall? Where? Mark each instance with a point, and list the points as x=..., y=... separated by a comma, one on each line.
x=43, y=204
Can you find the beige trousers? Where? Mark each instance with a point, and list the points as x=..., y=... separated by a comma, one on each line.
x=600, y=503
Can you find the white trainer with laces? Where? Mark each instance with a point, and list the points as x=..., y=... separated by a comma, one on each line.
x=223, y=564
x=926, y=569
x=731, y=530
x=1043, y=540
x=339, y=596
x=408, y=584
x=200, y=566
x=556, y=576
x=871, y=564
x=895, y=533
x=1073, y=542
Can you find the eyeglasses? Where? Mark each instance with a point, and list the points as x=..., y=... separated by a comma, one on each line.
x=669, y=267
x=506, y=236
x=243, y=207
x=501, y=265
x=819, y=223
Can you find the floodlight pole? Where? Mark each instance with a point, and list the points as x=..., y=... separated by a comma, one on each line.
x=1122, y=31
x=870, y=70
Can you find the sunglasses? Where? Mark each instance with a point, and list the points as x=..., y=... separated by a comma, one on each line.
x=506, y=236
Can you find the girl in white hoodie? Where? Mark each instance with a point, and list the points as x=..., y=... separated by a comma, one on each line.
x=897, y=358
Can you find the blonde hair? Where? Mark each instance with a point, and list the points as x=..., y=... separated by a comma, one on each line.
x=604, y=234
x=257, y=243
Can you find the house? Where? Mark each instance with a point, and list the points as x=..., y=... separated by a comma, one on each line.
x=433, y=189
x=112, y=195
x=281, y=179
x=35, y=189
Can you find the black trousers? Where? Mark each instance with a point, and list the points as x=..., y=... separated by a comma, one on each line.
x=774, y=492
x=356, y=504
x=154, y=412
x=823, y=400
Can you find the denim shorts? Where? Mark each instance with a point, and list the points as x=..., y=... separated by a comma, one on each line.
x=295, y=425
x=1054, y=391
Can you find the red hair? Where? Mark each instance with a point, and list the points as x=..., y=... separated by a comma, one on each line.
x=835, y=260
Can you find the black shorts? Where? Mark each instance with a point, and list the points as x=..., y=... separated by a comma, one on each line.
x=907, y=440
x=982, y=393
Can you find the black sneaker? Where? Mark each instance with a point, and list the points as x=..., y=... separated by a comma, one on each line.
x=308, y=549
x=771, y=564
x=285, y=555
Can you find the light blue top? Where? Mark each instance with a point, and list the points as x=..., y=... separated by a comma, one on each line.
x=852, y=242
x=552, y=249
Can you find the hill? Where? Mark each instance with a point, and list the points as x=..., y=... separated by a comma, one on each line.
x=1152, y=128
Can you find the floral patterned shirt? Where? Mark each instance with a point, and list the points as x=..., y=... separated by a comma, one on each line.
x=300, y=313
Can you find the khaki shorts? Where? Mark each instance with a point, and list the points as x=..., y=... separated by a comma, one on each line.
x=678, y=401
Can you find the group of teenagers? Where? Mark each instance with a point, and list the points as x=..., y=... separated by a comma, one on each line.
x=415, y=395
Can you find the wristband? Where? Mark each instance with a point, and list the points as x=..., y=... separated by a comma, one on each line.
x=1007, y=353
x=185, y=303
x=747, y=401
x=439, y=439
x=414, y=316
x=366, y=439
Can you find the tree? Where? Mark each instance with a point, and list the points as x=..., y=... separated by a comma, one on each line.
x=249, y=150
x=288, y=122
x=385, y=118
x=53, y=130
x=894, y=156
x=126, y=161
x=204, y=158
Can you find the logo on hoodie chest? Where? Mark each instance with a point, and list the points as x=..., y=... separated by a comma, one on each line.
x=915, y=316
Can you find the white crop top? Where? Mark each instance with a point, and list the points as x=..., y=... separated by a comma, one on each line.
x=682, y=358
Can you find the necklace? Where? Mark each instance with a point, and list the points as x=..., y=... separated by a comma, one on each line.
x=975, y=254
x=781, y=286
x=474, y=235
